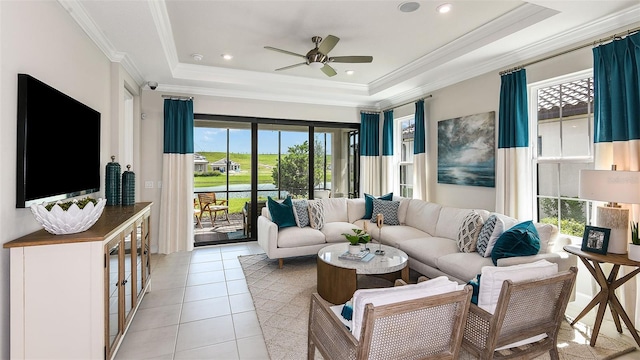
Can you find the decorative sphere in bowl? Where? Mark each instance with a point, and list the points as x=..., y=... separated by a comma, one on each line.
x=74, y=220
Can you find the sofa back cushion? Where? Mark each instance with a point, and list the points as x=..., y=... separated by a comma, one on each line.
x=449, y=222
x=335, y=209
x=355, y=209
x=423, y=216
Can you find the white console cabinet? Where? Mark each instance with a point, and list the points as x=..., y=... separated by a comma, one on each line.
x=73, y=296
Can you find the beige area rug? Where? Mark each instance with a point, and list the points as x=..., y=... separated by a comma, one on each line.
x=282, y=299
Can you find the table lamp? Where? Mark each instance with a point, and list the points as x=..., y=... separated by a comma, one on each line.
x=613, y=187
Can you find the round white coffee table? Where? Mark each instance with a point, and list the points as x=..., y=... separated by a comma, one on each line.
x=338, y=278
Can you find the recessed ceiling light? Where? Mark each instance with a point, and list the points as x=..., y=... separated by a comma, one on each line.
x=227, y=56
x=197, y=57
x=409, y=6
x=444, y=8
x=349, y=72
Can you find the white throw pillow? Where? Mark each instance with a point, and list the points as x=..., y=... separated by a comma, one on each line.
x=493, y=276
x=377, y=297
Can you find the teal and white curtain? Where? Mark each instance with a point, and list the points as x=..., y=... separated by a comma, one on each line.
x=176, y=202
x=370, y=153
x=420, y=169
x=616, y=76
x=514, y=194
x=388, y=170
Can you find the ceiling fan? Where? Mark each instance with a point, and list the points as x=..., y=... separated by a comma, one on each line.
x=317, y=57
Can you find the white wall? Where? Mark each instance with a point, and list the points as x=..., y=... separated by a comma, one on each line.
x=39, y=38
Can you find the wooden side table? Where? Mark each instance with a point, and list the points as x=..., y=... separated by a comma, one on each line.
x=608, y=285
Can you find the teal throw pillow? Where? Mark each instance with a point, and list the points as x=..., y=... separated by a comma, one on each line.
x=475, y=286
x=281, y=213
x=520, y=240
x=368, y=203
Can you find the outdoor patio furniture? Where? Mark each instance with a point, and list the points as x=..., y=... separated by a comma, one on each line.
x=197, y=213
x=209, y=204
x=246, y=215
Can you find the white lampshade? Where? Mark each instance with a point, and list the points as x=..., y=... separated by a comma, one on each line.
x=613, y=187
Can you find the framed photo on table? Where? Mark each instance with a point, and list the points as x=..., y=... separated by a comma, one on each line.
x=595, y=239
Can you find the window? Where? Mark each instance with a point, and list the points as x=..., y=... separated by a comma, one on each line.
x=564, y=118
x=406, y=129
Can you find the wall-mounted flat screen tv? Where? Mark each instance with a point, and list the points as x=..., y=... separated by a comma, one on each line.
x=58, y=145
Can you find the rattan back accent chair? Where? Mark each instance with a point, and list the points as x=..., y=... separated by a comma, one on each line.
x=524, y=310
x=424, y=328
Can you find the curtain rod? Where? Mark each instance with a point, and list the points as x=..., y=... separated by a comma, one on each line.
x=175, y=97
x=608, y=38
x=408, y=102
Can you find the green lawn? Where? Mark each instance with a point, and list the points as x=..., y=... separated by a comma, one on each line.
x=266, y=162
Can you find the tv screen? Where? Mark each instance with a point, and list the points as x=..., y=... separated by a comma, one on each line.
x=58, y=145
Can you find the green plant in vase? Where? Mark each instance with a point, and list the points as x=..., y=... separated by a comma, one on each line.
x=634, y=233
x=358, y=237
x=634, y=247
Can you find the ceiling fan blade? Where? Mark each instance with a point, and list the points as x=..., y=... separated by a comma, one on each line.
x=291, y=66
x=352, y=59
x=328, y=43
x=328, y=70
x=284, y=51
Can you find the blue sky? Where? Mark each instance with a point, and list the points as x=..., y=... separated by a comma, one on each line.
x=211, y=139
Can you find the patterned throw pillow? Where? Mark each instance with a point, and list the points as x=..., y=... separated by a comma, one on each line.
x=368, y=203
x=485, y=235
x=301, y=212
x=316, y=214
x=469, y=231
x=388, y=209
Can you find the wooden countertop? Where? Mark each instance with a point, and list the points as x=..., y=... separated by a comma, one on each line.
x=111, y=219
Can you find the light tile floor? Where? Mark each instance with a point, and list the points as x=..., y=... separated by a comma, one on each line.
x=199, y=307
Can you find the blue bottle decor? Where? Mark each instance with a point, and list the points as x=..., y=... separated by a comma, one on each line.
x=128, y=187
x=112, y=182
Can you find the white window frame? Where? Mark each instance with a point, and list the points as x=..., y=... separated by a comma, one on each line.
x=397, y=151
x=533, y=132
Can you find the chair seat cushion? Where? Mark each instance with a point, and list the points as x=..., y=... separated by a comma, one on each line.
x=492, y=278
x=377, y=297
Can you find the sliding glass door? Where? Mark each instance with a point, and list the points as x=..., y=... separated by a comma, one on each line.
x=243, y=161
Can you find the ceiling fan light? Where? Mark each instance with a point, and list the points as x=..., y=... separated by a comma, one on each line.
x=316, y=64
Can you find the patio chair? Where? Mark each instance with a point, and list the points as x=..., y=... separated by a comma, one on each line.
x=526, y=320
x=246, y=215
x=427, y=327
x=209, y=204
x=197, y=213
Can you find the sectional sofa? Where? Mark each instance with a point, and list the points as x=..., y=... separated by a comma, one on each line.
x=427, y=232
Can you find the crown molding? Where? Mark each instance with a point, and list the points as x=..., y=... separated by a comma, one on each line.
x=581, y=34
x=77, y=11
x=160, y=17
x=258, y=94
x=513, y=21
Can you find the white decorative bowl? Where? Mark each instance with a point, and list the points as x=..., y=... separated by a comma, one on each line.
x=74, y=220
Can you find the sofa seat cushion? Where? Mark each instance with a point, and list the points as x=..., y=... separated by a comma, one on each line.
x=429, y=249
x=294, y=236
x=452, y=264
x=393, y=235
x=333, y=231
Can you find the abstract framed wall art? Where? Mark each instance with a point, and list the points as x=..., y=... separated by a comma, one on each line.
x=466, y=150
